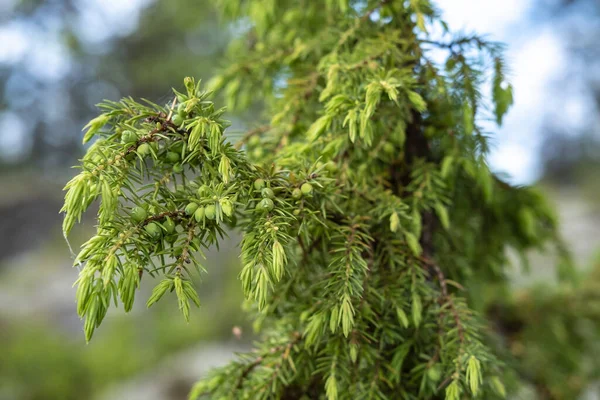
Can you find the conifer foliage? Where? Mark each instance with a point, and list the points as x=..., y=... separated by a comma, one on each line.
x=373, y=229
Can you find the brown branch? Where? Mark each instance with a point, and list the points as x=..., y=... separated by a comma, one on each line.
x=450, y=301
x=286, y=348
x=124, y=236
x=445, y=382
x=286, y=353
x=308, y=92
x=346, y=35
x=185, y=253
x=172, y=214
x=251, y=133
x=247, y=371
x=445, y=294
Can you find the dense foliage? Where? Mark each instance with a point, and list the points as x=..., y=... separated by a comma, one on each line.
x=375, y=237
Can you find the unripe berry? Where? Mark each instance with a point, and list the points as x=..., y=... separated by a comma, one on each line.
x=199, y=214
x=254, y=140
x=144, y=149
x=434, y=373
x=191, y=208
x=181, y=109
x=169, y=225
x=178, y=168
x=153, y=230
x=257, y=153
x=259, y=184
x=210, y=212
x=128, y=136
x=138, y=214
x=267, y=193
x=296, y=193
x=171, y=238
x=203, y=190
x=172, y=157
x=388, y=147
x=177, y=147
x=177, y=119
x=296, y=212
x=306, y=189
x=266, y=204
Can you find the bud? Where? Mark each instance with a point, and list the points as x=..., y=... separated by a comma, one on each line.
x=279, y=259
x=353, y=352
x=94, y=126
x=227, y=207
x=394, y=222
x=189, y=85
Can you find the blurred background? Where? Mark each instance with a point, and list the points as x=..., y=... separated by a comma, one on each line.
x=58, y=58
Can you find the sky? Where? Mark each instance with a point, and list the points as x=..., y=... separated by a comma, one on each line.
x=536, y=60
x=535, y=54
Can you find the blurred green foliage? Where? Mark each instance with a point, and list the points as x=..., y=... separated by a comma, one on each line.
x=551, y=331
x=44, y=357
x=42, y=361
